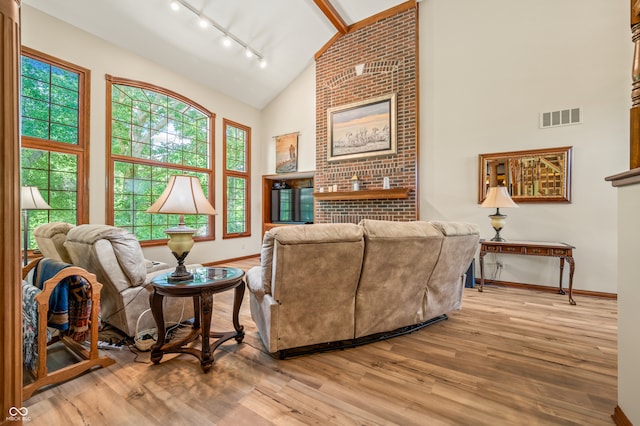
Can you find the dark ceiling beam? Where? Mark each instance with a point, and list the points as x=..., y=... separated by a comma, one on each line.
x=332, y=14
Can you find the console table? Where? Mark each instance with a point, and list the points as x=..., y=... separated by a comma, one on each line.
x=562, y=250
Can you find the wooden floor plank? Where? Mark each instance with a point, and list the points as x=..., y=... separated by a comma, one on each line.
x=510, y=356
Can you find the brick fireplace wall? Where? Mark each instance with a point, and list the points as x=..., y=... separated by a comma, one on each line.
x=388, y=49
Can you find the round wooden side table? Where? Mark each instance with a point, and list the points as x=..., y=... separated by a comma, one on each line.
x=205, y=283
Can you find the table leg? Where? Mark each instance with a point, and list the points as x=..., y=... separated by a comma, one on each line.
x=572, y=268
x=196, y=312
x=239, y=294
x=481, y=288
x=207, y=307
x=560, y=290
x=155, y=301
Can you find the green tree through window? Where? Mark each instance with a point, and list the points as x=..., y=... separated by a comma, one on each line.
x=153, y=134
x=236, y=175
x=54, y=137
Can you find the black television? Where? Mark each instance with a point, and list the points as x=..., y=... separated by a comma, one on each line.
x=292, y=205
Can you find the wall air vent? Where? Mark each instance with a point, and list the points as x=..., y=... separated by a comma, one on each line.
x=565, y=117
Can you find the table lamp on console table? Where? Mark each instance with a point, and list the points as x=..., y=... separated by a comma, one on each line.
x=497, y=197
x=183, y=195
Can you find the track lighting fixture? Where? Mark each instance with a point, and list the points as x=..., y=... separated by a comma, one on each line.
x=228, y=38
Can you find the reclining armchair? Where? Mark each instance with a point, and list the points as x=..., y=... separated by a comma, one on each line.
x=50, y=238
x=115, y=256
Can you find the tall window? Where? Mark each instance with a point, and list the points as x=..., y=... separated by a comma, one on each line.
x=55, y=138
x=236, y=177
x=154, y=133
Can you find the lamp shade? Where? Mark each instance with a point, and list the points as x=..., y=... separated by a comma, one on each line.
x=32, y=199
x=183, y=195
x=497, y=197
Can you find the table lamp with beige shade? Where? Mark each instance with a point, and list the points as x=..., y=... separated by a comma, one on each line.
x=183, y=195
x=30, y=199
x=498, y=197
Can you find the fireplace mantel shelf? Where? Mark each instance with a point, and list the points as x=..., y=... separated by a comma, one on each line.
x=365, y=194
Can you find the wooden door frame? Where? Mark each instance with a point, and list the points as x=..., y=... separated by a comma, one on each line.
x=10, y=295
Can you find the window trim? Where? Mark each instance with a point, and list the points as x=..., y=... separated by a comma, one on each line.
x=82, y=148
x=111, y=158
x=233, y=173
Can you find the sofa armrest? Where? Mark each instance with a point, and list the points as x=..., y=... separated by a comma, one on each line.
x=255, y=283
x=154, y=265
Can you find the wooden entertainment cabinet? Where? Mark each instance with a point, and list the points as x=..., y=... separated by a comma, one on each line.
x=293, y=180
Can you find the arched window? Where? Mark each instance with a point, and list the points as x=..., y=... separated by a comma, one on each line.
x=153, y=133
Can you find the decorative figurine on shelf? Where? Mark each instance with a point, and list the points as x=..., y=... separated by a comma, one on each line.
x=356, y=182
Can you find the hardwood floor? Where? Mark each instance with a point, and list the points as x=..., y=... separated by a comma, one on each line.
x=509, y=357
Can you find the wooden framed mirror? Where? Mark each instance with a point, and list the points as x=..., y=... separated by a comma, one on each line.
x=533, y=176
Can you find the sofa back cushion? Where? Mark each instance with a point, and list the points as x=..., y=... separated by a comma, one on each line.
x=50, y=238
x=445, y=288
x=398, y=261
x=315, y=274
x=111, y=253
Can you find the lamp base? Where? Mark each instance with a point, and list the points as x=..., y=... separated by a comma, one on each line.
x=497, y=237
x=497, y=222
x=180, y=241
x=181, y=273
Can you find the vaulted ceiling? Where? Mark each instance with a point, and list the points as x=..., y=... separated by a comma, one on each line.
x=285, y=33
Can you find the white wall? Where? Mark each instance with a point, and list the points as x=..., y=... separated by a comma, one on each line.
x=628, y=302
x=292, y=111
x=54, y=37
x=486, y=74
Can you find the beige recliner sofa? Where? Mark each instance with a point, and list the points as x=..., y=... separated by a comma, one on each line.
x=50, y=238
x=115, y=256
x=335, y=285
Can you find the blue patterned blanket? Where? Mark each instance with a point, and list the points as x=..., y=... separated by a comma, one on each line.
x=69, y=308
x=59, y=301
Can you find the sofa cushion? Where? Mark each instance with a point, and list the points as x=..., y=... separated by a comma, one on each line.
x=444, y=291
x=316, y=269
x=398, y=261
x=50, y=238
x=318, y=233
x=124, y=244
x=387, y=229
x=452, y=229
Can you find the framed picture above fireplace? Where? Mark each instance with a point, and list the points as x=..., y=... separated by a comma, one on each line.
x=362, y=129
